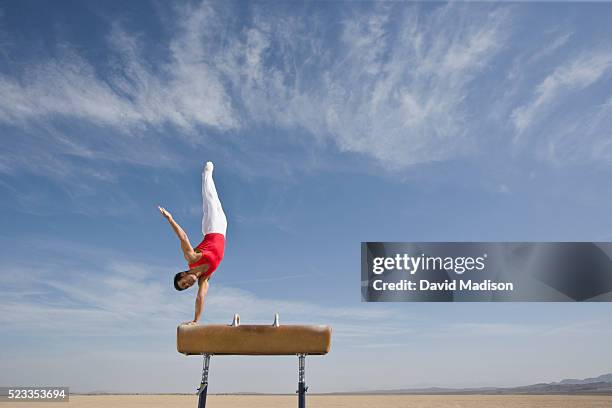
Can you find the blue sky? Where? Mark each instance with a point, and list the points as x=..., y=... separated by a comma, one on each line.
x=329, y=124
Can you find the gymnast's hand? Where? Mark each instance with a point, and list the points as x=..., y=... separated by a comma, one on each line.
x=165, y=213
x=190, y=323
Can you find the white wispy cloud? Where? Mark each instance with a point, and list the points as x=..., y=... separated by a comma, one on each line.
x=397, y=84
x=189, y=94
x=581, y=137
x=524, y=62
x=391, y=86
x=571, y=77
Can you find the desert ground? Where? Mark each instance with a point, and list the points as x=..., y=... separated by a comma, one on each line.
x=334, y=401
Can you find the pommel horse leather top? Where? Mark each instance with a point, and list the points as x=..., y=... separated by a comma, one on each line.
x=253, y=339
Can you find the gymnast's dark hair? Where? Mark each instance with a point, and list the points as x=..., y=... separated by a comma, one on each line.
x=177, y=277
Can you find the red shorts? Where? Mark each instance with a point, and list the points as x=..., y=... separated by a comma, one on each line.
x=212, y=248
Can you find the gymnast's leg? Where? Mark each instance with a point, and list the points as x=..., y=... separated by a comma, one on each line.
x=213, y=218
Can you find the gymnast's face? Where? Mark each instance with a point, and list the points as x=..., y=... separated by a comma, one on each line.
x=187, y=280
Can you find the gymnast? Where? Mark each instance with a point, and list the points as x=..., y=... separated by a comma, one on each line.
x=204, y=259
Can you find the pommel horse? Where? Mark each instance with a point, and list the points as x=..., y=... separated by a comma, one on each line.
x=253, y=340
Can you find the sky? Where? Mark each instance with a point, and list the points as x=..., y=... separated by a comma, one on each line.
x=329, y=123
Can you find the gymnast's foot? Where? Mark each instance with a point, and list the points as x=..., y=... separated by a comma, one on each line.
x=209, y=167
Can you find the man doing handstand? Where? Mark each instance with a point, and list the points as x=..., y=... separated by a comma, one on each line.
x=204, y=259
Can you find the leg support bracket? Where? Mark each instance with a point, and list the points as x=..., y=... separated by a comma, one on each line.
x=302, y=388
x=203, y=390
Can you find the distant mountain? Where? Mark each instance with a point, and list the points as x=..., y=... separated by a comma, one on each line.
x=606, y=378
x=601, y=385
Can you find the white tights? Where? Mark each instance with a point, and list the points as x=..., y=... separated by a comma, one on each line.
x=213, y=217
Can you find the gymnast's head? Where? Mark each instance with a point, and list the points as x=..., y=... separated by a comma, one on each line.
x=184, y=280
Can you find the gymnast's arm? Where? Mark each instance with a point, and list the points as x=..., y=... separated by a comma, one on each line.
x=190, y=255
x=200, y=297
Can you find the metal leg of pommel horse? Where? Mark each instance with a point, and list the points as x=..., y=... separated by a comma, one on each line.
x=203, y=390
x=302, y=388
